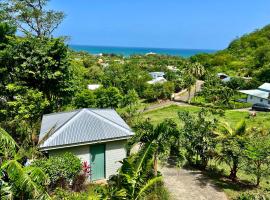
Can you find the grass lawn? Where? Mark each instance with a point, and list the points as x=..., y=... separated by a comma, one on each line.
x=231, y=116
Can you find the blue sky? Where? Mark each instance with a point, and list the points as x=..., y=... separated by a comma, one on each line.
x=195, y=24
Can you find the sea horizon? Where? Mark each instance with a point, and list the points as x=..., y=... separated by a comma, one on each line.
x=128, y=51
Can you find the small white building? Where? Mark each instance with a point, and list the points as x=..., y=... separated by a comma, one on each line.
x=93, y=86
x=260, y=95
x=157, y=80
x=155, y=75
x=97, y=136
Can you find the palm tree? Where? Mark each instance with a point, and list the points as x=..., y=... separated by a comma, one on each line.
x=197, y=70
x=232, y=145
x=159, y=135
x=29, y=179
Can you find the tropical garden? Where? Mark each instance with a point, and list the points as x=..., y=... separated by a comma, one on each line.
x=40, y=74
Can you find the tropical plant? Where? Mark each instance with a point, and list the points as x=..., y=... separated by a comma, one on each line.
x=160, y=135
x=26, y=181
x=135, y=177
x=232, y=141
x=199, y=136
x=257, y=152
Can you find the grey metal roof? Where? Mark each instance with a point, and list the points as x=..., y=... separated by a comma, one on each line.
x=265, y=87
x=82, y=126
x=257, y=93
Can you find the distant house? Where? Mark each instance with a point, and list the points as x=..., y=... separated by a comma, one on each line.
x=97, y=136
x=157, y=80
x=157, y=77
x=260, y=95
x=93, y=86
x=224, y=77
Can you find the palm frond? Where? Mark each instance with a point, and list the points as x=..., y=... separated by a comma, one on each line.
x=26, y=177
x=150, y=183
x=7, y=143
x=240, y=128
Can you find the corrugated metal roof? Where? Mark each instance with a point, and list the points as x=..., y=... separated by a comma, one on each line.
x=256, y=93
x=82, y=126
x=265, y=86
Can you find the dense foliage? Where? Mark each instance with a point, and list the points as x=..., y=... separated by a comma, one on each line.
x=245, y=56
x=61, y=169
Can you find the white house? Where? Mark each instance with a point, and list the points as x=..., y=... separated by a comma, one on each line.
x=157, y=80
x=260, y=95
x=155, y=75
x=97, y=136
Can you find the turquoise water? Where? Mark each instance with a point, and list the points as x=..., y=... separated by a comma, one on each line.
x=127, y=51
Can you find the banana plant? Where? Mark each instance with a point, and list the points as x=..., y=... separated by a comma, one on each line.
x=30, y=180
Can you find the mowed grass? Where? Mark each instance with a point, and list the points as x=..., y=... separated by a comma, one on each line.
x=262, y=119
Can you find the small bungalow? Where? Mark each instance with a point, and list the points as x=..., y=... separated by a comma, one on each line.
x=260, y=95
x=97, y=136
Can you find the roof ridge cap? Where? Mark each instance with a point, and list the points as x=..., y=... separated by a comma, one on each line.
x=109, y=119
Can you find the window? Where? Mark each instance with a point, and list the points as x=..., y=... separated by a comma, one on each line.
x=250, y=97
x=261, y=100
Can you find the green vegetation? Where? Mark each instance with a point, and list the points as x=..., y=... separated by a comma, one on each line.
x=245, y=56
x=39, y=74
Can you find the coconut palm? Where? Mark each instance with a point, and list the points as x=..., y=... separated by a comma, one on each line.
x=232, y=142
x=30, y=180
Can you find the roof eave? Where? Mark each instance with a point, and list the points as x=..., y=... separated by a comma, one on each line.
x=84, y=143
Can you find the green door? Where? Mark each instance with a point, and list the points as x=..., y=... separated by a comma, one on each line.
x=97, y=161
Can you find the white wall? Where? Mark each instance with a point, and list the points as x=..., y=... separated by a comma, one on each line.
x=115, y=152
x=81, y=152
x=253, y=100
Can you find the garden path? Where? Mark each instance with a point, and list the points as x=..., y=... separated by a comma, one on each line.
x=186, y=184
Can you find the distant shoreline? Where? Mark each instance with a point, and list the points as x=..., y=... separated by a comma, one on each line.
x=127, y=51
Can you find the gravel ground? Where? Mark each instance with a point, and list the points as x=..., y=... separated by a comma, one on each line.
x=190, y=185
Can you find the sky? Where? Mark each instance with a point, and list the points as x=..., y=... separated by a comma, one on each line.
x=192, y=24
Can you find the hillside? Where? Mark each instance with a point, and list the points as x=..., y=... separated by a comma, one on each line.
x=248, y=55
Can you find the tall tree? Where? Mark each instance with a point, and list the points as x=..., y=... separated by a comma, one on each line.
x=31, y=16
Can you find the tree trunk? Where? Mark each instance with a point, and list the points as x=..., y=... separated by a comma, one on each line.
x=233, y=173
x=155, y=164
x=258, y=180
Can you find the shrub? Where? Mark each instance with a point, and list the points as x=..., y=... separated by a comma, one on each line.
x=61, y=169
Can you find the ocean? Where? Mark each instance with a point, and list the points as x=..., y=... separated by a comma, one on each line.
x=127, y=51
